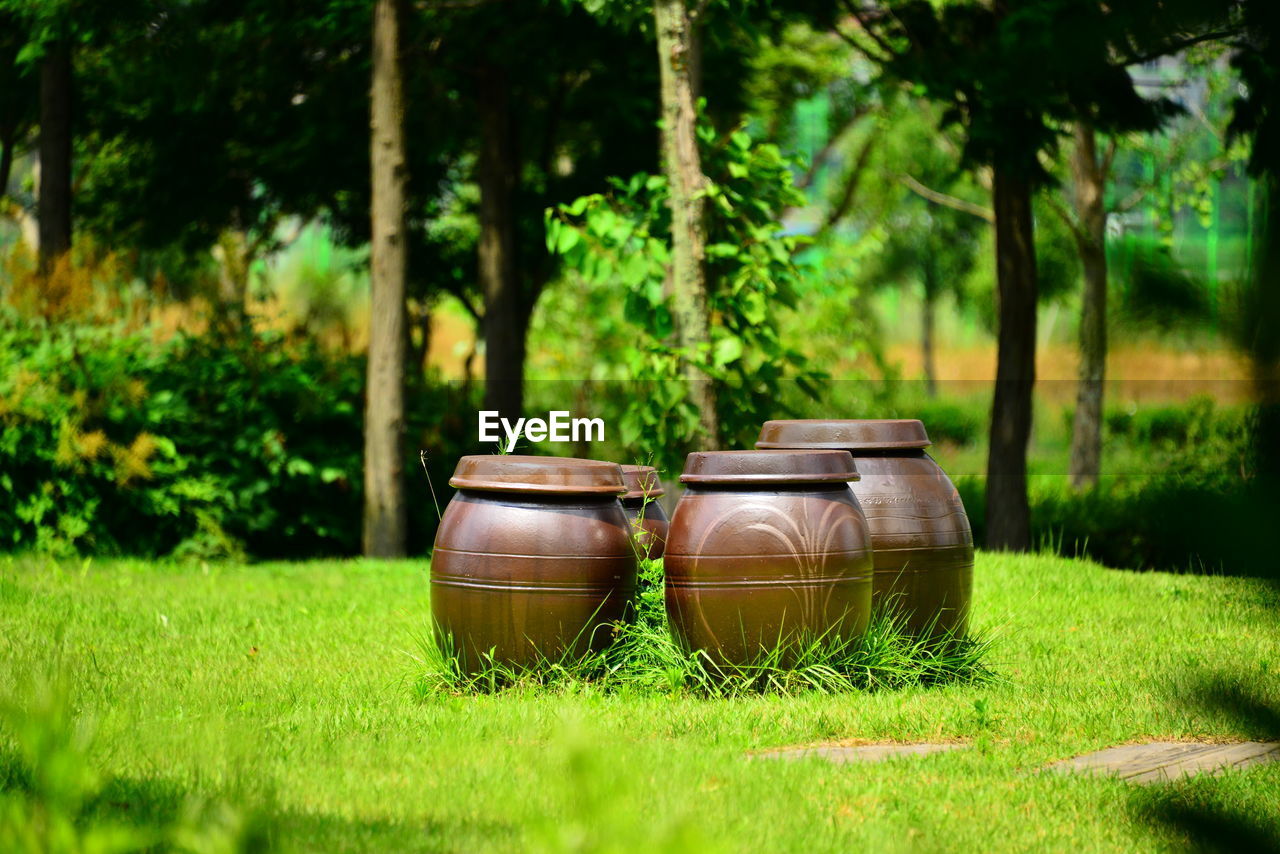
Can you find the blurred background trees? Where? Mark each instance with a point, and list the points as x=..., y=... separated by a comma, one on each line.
x=1028, y=222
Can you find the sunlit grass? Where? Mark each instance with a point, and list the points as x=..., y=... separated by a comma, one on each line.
x=278, y=703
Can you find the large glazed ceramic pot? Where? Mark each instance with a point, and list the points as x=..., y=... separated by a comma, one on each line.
x=766, y=548
x=919, y=531
x=640, y=502
x=533, y=560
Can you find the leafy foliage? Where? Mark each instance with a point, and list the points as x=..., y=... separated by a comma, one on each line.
x=199, y=446
x=1209, y=511
x=1013, y=74
x=623, y=237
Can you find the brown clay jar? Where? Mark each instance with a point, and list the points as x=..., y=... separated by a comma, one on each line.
x=766, y=548
x=647, y=518
x=533, y=560
x=919, y=531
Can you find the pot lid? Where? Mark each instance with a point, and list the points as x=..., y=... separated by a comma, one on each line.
x=641, y=482
x=850, y=435
x=558, y=475
x=793, y=466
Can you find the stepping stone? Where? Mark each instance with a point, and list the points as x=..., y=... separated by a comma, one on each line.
x=1162, y=761
x=856, y=753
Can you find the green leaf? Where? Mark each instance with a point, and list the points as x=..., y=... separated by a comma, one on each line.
x=753, y=308
x=566, y=238
x=634, y=269
x=727, y=350
x=553, y=233
x=653, y=292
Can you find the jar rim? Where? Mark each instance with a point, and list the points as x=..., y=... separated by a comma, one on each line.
x=539, y=475
x=641, y=482
x=866, y=434
x=769, y=466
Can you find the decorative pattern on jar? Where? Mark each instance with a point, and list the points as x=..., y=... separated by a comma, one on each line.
x=533, y=560
x=919, y=529
x=648, y=520
x=766, y=549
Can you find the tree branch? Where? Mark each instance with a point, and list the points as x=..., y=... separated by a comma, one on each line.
x=1077, y=233
x=824, y=153
x=850, y=190
x=886, y=54
x=947, y=201
x=460, y=295
x=1129, y=203
x=1177, y=47
x=1109, y=157
x=871, y=34
x=858, y=46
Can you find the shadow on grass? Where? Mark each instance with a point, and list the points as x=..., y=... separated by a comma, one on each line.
x=162, y=815
x=1228, y=814
x=1210, y=826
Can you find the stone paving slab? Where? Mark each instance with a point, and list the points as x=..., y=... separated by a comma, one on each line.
x=855, y=753
x=1162, y=761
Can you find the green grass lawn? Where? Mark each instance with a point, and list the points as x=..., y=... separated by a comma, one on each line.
x=285, y=693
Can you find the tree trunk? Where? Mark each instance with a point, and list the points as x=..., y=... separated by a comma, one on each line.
x=505, y=314
x=234, y=265
x=6, y=162
x=927, y=326
x=678, y=63
x=54, y=204
x=1086, y=430
x=1008, y=513
x=385, y=519
x=417, y=338
x=1263, y=347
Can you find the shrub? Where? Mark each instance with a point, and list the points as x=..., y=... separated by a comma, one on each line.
x=200, y=445
x=952, y=422
x=1167, y=523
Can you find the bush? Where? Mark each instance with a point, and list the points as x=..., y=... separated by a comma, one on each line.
x=1167, y=523
x=952, y=422
x=1199, y=423
x=200, y=445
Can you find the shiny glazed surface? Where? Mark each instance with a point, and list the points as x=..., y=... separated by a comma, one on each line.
x=919, y=531
x=921, y=539
x=751, y=567
x=531, y=576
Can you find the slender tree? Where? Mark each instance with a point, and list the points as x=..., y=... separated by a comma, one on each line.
x=1012, y=73
x=678, y=63
x=17, y=96
x=1008, y=512
x=385, y=519
x=505, y=320
x=54, y=203
x=1089, y=176
x=528, y=130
